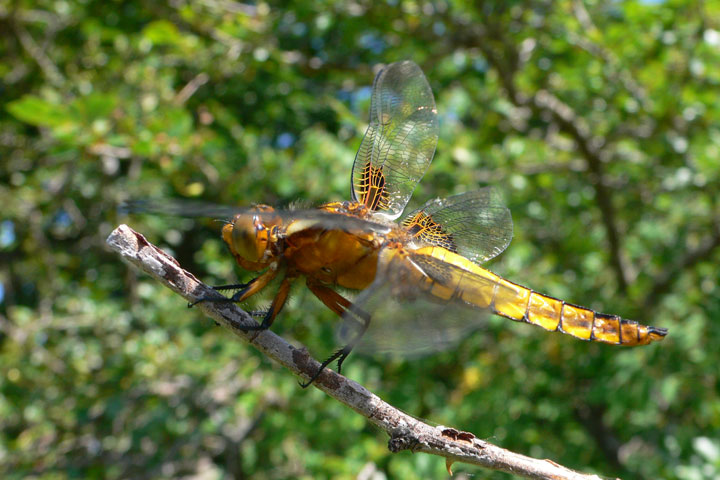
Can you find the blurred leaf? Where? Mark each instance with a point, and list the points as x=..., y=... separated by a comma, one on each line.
x=162, y=32
x=39, y=112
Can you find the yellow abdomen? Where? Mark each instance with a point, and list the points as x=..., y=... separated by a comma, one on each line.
x=484, y=289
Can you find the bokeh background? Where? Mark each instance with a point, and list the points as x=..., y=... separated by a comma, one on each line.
x=599, y=122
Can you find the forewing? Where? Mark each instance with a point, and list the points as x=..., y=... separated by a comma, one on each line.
x=312, y=218
x=475, y=224
x=418, y=304
x=399, y=142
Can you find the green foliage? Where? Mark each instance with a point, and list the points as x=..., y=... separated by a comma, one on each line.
x=598, y=121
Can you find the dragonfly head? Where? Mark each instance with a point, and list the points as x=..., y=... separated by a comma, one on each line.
x=250, y=234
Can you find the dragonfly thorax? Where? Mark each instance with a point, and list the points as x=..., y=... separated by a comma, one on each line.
x=355, y=209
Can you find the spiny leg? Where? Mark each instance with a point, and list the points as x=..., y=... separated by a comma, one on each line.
x=333, y=300
x=275, y=307
x=340, y=355
x=248, y=289
x=277, y=304
x=220, y=288
x=338, y=304
x=343, y=305
x=232, y=286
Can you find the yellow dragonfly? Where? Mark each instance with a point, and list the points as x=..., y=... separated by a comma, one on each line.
x=420, y=280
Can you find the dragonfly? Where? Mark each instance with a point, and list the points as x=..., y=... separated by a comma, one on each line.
x=421, y=283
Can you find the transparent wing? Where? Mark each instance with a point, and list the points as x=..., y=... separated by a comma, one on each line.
x=400, y=140
x=475, y=225
x=309, y=217
x=408, y=327
x=418, y=304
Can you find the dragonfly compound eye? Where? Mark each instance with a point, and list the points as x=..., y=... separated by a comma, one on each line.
x=248, y=237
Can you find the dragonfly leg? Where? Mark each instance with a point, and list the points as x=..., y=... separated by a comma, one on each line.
x=324, y=364
x=340, y=305
x=340, y=356
x=233, y=286
x=276, y=305
x=333, y=300
x=220, y=288
x=248, y=289
x=363, y=319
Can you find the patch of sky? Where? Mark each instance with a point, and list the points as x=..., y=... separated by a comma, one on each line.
x=449, y=116
x=479, y=64
x=299, y=29
x=62, y=219
x=345, y=96
x=372, y=42
x=7, y=233
x=356, y=98
x=285, y=140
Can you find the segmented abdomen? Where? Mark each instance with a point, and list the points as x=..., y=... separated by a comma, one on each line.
x=482, y=288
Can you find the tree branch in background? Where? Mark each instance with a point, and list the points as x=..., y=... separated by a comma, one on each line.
x=665, y=280
x=613, y=66
x=191, y=87
x=590, y=148
x=49, y=69
x=590, y=415
x=542, y=102
x=406, y=432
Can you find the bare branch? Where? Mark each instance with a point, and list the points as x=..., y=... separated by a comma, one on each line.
x=51, y=72
x=406, y=432
x=232, y=7
x=107, y=150
x=191, y=87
